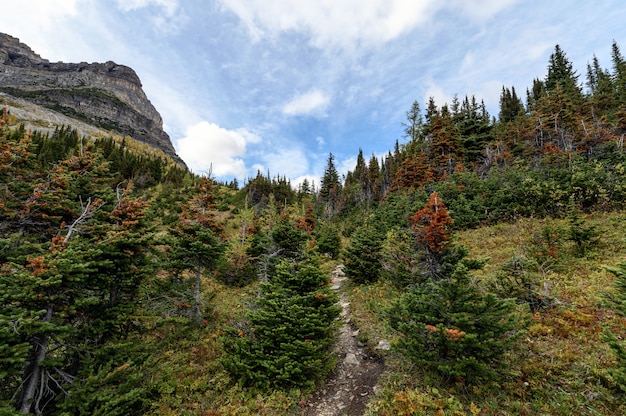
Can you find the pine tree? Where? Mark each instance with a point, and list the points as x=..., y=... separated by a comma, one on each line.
x=561, y=72
x=287, y=338
x=619, y=74
x=362, y=257
x=454, y=329
x=414, y=172
x=601, y=88
x=400, y=259
x=510, y=105
x=197, y=244
x=414, y=123
x=328, y=240
x=444, y=144
x=330, y=189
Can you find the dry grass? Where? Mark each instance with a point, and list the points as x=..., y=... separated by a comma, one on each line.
x=559, y=367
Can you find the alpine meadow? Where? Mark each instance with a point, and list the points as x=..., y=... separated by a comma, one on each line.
x=484, y=257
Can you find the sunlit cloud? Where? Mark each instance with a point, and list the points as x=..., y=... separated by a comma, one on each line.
x=169, y=6
x=481, y=9
x=166, y=18
x=328, y=23
x=312, y=102
x=441, y=97
x=209, y=148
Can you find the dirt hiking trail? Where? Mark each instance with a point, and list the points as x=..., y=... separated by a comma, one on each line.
x=353, y=382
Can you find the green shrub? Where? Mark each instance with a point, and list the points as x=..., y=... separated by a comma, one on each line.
x=618, y=300
x=519, y=279
x=453, y=329
x=328, y=241
x=286, y=340
x=362, y=257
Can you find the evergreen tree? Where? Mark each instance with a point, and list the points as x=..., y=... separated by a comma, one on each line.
x=288, y=238
x=473, y=125
x=414, y=123
x=400, y=259
x=533, y=95
x=328, y=240
x=601, y=87
x=414, y=172
x=374, y=180
x=362, y=257
x=432, y=227
x=197, y=241
x=619, y=74
x=510, y=105
x=286, y=340
x=561, y=72
x=330, y=188
x=444, y=144
x=454, y=329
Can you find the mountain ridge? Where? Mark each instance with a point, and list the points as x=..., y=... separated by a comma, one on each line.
x=107, y=96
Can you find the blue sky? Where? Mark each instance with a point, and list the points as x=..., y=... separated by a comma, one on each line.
x=247, y=85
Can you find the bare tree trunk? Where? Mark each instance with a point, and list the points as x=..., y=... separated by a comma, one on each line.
x=40, y=349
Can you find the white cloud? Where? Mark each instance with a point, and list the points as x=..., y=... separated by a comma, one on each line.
x=44, y=12
x=351, y=24
x=33, y=20
x=320, y=141
x=168, y=18
x=314, y=181
x=481, y=9
x=346, y=165
x=440, y=96
x=208, y=147
x=168, y=6
x=343, y=23
x=312, y=102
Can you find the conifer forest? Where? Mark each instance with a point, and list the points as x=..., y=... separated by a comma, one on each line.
x=484, y=256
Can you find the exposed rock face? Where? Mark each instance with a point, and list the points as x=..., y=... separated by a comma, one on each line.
x=106, y=95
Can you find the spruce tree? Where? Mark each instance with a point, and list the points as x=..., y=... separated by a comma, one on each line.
x=362, y=257
x=447, y=324
x=197, y=244
x=432, y=227
x=287, y=337
x=330, y=189
x=561, y=72
x=453, y=328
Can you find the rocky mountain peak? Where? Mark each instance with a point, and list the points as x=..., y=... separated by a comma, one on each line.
x=105, y=95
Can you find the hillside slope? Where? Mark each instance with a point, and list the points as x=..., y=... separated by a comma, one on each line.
x=106, y=96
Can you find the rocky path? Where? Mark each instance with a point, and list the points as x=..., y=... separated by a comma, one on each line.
x=354, y=380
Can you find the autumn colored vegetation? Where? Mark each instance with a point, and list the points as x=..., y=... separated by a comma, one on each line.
x=488, y=250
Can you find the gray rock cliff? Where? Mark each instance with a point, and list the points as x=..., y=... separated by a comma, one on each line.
x=106, y=95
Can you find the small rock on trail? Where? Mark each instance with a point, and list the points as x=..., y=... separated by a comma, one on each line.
x=354, y=380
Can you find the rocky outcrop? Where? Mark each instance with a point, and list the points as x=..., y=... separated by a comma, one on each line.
x=106, y=95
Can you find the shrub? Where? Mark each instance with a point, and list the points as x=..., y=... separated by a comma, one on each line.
x=519, y=279
x=362, y=257
x=329, y=241
x=452, y=328
x=286, y=341
x=618, y=300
